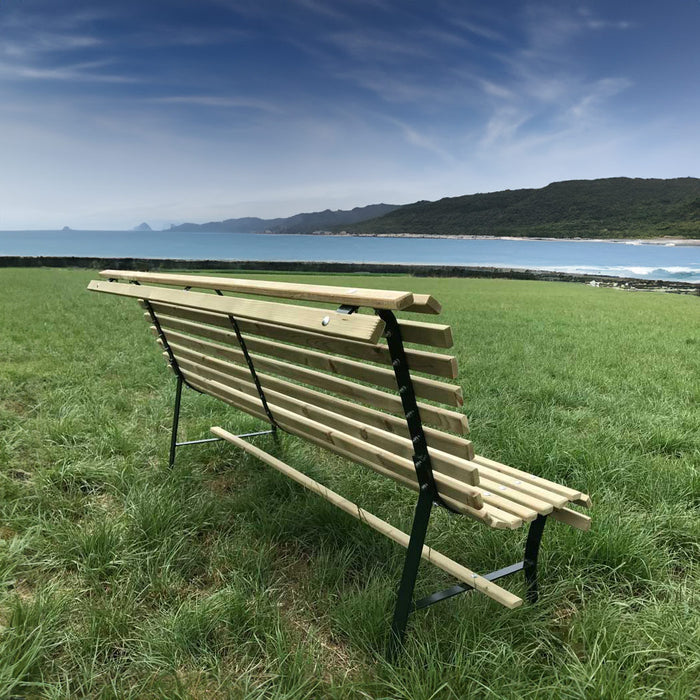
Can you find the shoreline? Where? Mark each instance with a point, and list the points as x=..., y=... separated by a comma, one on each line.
x=302, y=267
x=662, y=241
x=671, y=241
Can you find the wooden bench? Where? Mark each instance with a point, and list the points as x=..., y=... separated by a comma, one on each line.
x=344, y=381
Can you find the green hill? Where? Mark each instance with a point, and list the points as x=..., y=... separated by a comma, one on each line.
x=606, y=208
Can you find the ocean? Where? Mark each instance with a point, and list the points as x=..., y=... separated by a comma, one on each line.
x=628, y=259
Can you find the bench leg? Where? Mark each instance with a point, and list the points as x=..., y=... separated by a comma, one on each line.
x=404, y=599
x=176, y=419
x=532, y=549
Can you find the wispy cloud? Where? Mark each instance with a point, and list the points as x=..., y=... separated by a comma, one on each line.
x=87, y=72
x=48, y=43
x=218, y=101
x=425, y=141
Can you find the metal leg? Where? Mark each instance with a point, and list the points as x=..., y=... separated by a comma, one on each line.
x=404, y=599
x=176, y=418
x=532, y=549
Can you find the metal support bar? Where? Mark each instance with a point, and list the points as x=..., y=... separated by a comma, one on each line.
x=532, y=550
x=404, y=599
x=176, y=420
x=465, y=587
x=166, y=345
x=399, y=362
x=218, y=439
x=251, y=367
x=346, y=309
x=197, y=442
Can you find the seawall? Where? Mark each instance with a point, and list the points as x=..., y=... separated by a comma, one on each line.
x=154, y=264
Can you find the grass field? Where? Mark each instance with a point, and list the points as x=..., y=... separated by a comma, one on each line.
x=222, y=579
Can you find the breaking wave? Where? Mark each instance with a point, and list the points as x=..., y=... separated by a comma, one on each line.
x=678, y=273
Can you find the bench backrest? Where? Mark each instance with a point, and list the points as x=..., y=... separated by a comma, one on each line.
x=326, y=372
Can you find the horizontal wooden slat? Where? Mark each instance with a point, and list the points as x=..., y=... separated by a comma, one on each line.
x=374, y=298
x=424, y=304
x=571, y=517
x=570, y=494
x=367, y=454
x=434, y=334
x=496, y=480
x=504, y=497
x=431, y=389
x=487, y=514
x=433, y=415
x=460, y=469
x=418, y=360
x=436, y=439
x=460, y=572
x=352, y=326
x=516, y=496
x=509, y=497
x=512, y=507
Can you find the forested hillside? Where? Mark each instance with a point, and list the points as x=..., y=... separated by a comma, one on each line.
x=606, y=208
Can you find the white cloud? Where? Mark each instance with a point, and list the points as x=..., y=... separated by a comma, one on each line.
x=221, y=102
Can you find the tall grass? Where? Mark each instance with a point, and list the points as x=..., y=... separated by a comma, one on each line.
x=121, y=579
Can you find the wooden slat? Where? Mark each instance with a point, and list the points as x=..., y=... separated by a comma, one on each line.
x=508, y=499
x=511, y=494
x=570, y=494
x=571, y=517
x=374, y=457
x=352, y=326
x=497, y=479
x=434, y=334
x=451, y=444
x=460, y=572
x=525, y=514
x=449, y=394
x=418, y=360
x=374, y=298
x=487, y=514
x=460, y=469
x=424, y=304
x=432, y=415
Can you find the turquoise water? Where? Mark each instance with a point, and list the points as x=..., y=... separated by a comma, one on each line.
x=646, y=261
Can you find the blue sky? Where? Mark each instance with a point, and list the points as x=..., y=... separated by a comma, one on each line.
x=112, y=113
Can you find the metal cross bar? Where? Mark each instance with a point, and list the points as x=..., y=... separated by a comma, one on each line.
x=218, y=439
x=251, y=367
x=465, y=587
x=197, y=442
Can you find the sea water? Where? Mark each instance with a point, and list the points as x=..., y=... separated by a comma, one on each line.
x=628, y=259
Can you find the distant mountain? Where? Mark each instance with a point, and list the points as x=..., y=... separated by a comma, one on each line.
x=299, y=223
x=607, y=208
x=142, y=227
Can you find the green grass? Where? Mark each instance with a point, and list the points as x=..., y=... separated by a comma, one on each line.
x=120, y=579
